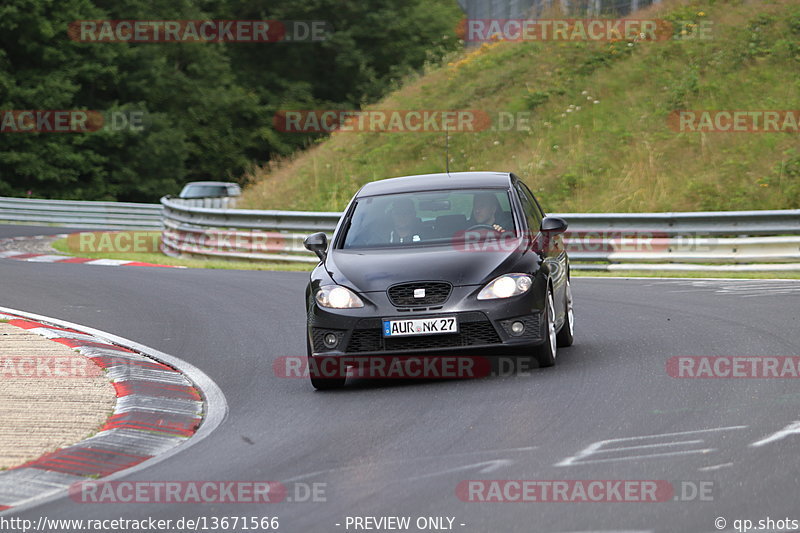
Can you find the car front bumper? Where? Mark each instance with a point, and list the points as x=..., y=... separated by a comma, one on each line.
x=484, y=326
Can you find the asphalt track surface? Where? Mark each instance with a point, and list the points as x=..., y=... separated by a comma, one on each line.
x=401, y=448
x=28, y=231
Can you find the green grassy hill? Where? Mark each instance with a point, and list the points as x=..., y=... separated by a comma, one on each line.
x=599, y=138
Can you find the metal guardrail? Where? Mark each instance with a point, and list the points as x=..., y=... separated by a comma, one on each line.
x=243, y=234
x=639, y=241
x=81, y=214
x=177, y=209
x=719, y=223
x=223, y=202
x=732, y=240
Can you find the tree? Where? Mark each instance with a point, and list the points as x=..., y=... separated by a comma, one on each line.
x=206, y=108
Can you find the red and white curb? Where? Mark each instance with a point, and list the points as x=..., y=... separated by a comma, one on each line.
x=56, y=258
x=163, y=406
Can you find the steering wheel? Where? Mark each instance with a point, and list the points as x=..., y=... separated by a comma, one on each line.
x=481, y=226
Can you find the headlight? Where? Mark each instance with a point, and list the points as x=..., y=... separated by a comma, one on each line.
x=338, y=297
x=506, y=286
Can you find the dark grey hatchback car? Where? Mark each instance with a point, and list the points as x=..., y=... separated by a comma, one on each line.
x=439, y=264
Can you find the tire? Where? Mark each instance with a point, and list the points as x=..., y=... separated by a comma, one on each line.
x=566, y=334
x=545, y=353
x=321, y=383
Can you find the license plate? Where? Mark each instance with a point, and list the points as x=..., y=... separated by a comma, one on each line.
x=420, y=326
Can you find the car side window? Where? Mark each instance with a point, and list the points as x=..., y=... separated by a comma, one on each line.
x=533, y=199
x=529, y=206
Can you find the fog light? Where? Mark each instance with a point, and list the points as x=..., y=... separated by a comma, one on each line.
x=517, y=328
x=330, y=340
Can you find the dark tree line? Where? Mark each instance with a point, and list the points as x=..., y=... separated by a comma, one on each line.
x=206, y=109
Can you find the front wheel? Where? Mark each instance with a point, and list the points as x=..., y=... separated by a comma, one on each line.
x=566, y=335
x=545, y=353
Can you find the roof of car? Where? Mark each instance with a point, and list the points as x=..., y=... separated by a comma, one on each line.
x=433, y=182
x=212, y=183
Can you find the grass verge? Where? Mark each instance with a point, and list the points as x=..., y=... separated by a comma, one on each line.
x=598, y=135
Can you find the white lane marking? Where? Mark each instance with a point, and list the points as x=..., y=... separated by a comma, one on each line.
x=10, y=253
x=636, y=457
x=487, y=467
x=58, y=334
x=320, y=472
x=396, y=461
x=714, y=467
x=679, y=433
x=742, y=288
x=743, y=291
x=644, y=446
x=107, y=262
x=596, y=447
x=46, y=258
x=791, y=429
x=769, y=292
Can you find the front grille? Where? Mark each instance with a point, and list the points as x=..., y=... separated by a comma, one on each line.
x=474, y=330
x=365, y=340
x=436, y=292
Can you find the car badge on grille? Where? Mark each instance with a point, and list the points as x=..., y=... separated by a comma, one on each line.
x=419, y=293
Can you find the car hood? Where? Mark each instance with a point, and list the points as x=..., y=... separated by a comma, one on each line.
x=376, y=270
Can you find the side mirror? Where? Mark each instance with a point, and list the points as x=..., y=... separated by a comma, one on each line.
x=554, y=225
x=317, y=243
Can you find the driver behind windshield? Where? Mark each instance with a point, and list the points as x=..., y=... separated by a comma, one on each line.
x=407, y=227
x=486, y=212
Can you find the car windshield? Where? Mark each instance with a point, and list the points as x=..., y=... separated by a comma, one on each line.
x=429, y=218
x=204, y=191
